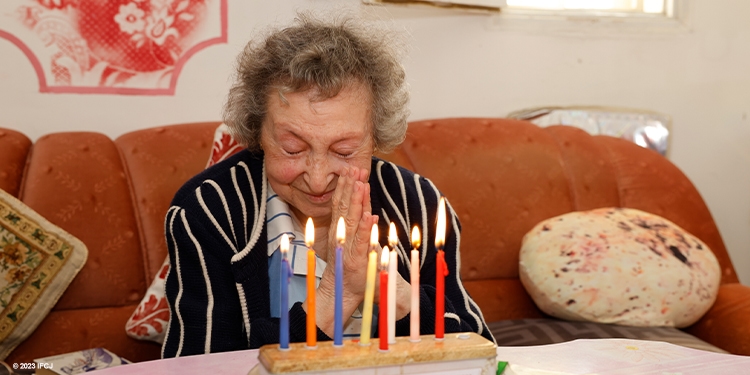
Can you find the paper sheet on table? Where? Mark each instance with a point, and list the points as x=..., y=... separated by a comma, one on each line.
x=523, y=370
x=617, y=357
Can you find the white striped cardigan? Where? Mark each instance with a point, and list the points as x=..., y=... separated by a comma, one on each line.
x=217, y=287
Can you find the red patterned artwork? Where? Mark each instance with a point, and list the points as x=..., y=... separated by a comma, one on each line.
x=135, y=47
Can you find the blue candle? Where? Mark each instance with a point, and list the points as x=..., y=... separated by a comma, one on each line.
x=286, y=274
x=338, y=321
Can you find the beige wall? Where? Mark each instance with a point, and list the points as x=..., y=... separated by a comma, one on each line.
x=475, y=65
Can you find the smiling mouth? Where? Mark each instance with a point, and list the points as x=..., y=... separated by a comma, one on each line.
x=322, y=198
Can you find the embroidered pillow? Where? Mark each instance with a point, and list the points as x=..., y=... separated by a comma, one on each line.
x=224, y=146
x=150, y=319
x=618, y=265
x=38, y=261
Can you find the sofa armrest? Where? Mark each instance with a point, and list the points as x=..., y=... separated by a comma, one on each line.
x=726, y=324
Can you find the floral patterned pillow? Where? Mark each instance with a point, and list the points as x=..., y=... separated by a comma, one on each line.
x=38, y=261
x=621, y=266
x=150, y=319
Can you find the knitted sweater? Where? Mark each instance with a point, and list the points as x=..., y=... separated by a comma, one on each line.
x=218, y=289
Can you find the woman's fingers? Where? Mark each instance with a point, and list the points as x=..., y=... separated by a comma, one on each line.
x=366, y=203
x=355, y=257
x=346, y=191
x=362, y=238
x=337, y=194
x=343, y=196
x=364, y=175
x=354, y=211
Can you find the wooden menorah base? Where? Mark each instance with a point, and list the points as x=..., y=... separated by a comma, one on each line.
x=458, y=353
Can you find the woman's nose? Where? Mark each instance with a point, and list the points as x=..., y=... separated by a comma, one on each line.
x=319, y=175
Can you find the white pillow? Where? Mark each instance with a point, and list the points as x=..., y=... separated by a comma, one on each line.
x=618, y=265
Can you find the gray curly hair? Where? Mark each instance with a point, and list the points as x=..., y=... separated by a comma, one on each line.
x=326, y=56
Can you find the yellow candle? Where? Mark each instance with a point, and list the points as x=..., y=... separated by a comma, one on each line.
x=414, y=333
x=312, y=332
x=372, y=264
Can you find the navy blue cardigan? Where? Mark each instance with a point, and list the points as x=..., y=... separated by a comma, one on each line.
x=218, y=289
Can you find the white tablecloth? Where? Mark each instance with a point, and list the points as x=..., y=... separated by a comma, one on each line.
x=596, y=356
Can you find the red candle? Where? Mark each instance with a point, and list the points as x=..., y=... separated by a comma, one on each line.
x=440, y=272
x=383, y=315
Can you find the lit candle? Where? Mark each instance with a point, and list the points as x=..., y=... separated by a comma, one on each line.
x=338, y=321
x=372, y=264
x=440, y=272
x=414, y=321
x=393, y=272
x=312, y=332
x=286, y=274
x=383, y=315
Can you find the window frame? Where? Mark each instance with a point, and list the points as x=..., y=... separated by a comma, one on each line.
x=595, y=23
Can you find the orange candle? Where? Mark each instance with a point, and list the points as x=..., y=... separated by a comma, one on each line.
x=383, y=314
x=440, y=272
x=312, y=332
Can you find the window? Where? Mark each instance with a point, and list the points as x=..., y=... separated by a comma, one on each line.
x=594, y=18
x=601, y=7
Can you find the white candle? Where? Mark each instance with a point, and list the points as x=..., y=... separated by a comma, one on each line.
x=414, y=333
x=393, y=274
x=372, y=264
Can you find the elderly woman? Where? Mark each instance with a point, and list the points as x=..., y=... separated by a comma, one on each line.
x=311, y=104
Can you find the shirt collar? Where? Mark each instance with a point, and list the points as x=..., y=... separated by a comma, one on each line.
x=279, y=220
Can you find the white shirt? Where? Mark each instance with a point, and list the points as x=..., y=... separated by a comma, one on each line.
x=279, y=220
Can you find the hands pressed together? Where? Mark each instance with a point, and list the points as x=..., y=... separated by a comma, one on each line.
x=351, y=200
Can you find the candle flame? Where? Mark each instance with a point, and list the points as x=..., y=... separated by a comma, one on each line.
x=392, y=236
x=385, y=257
x=374, y=236
x=415, y=239
x=284, y=245
x=440, y=230
x=309, y=233
x=341, y=231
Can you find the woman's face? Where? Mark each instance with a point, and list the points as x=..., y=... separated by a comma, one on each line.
x=308, y=143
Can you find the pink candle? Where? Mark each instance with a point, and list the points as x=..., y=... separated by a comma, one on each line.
x=393, y=271
x=414, y=334
x=383, y=315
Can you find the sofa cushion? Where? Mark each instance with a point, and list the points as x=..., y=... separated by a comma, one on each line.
x=528, y=332
x=14, y=149
x=38, y=261
x=150, y=319
x=65, y=331
x=158, y=161
x=618, y=265
x=76, y=181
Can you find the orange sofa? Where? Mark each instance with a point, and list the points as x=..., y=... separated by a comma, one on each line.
x=504, y=176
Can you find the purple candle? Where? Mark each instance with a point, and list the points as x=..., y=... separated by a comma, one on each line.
x=286, y=274
x=338, y=321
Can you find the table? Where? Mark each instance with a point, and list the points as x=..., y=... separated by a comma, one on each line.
x=590, y=356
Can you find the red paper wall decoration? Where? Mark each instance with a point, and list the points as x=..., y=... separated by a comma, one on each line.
x=135, y=47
